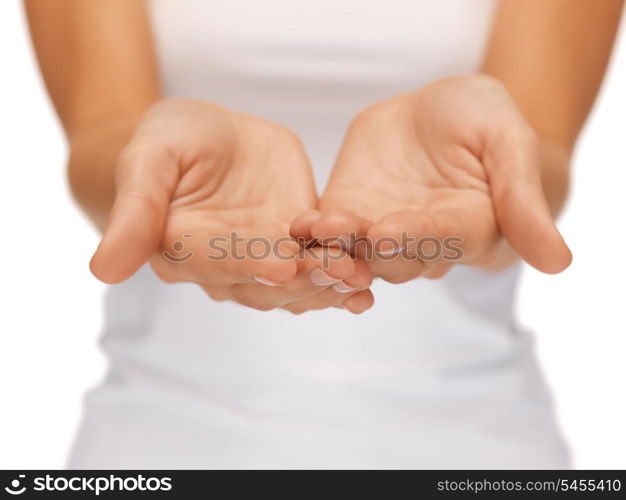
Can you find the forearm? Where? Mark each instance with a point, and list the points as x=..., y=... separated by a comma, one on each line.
x=551, y=56
x=93, y=153
x=98, y=62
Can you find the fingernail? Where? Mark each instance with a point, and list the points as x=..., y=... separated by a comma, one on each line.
x=320, y=278
x=393, y=251
x=265, y=281
x=341, y=287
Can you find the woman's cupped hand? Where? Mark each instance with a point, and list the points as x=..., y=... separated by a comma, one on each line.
x=447, y=175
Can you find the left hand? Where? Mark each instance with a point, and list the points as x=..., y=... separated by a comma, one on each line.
x=455, y=159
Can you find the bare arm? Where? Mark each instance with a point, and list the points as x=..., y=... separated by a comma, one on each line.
x=99, y=65
x=551, y=56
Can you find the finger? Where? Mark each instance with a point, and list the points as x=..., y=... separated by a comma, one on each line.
x=323, y=300
x=398, y=268
x=338, y=293
x=341, y=228
x=276, y=268
x=360, y=280
x=324, y=266
x=146, y=178
x=359, y=302
x=436, y=271
x=210, y=257
x=253, y=297
x=319, y=269
x=300, y=229
x=424, y=233
x=513, y=166
x=214, y=293
x=404, y=243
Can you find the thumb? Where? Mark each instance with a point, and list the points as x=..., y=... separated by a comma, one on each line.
x=145, y=180
x=513, y=165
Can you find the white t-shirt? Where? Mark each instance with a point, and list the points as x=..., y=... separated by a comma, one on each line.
x=435, y=375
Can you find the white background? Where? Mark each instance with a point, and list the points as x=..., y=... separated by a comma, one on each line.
x=50, y=312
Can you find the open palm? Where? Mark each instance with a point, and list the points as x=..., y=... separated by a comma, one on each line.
x=453, y=160
x=206, y=195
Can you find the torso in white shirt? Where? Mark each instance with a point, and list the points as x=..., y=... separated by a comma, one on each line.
x=435, y=375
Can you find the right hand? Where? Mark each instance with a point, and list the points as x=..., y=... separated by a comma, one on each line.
x=193, y=173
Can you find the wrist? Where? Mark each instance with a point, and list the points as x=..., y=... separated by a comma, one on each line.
x=555, y=173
